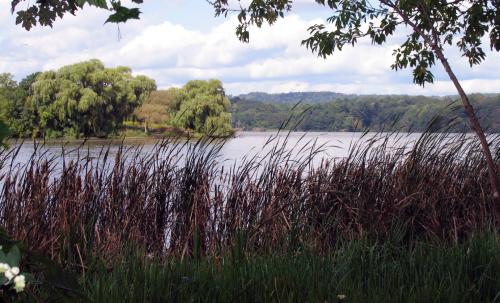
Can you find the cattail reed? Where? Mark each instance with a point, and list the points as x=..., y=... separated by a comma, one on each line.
x=178, y=201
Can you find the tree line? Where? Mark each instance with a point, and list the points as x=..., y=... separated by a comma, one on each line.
x=350, y=113
x=199, y=106
x=87, y=99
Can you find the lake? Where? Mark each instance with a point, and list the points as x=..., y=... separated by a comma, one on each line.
x=245, y=144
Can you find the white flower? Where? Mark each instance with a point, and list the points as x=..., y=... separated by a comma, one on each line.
x=9, y=274
x=4, y=267
x=19, y=283
x=341, y=297
x=20, y=279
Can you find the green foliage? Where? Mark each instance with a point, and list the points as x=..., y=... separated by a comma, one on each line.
x=433, y=25
x=293, y=97
x=156, y=107
x=86, y=99
x=45, y=13
x=12, y=280
x=7, y=81
x=4, y=133
x=203, y=107
x=15, y=111
x=357, y=271
x=351, y=112
x=122, y=14
x=50, y=281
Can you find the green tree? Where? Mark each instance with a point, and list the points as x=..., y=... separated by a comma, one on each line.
x=433, y=24
x=15, y=111
x=377, y=113
x=7, y=81
x=87, y=99
x=9, y=97
x=156, y=108
x=203, y=107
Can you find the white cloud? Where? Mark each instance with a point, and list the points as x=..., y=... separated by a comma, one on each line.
x=175, y=52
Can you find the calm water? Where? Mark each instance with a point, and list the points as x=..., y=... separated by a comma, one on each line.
x=244, y=144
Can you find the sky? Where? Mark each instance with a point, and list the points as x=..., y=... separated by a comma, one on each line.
x=179, y=40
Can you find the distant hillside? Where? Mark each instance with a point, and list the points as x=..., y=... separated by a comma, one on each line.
x=303, y=97
x=351, y=112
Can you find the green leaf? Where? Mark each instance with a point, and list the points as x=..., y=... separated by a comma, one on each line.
x=13, y=256
x=55, y=277
x=123, y=14
x=98, y=3
x=2, y=256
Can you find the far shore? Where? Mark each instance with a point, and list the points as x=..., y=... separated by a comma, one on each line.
x=157, y=137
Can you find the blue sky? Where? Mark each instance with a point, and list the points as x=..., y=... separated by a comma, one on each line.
x=179, y=40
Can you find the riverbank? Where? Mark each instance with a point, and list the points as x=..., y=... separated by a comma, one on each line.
x=170, y=224
x=130, y=134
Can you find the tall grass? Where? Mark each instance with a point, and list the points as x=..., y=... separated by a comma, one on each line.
x=177, y=202
x=361, y=270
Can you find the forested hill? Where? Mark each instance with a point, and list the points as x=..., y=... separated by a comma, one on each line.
x=351, y=112
x=304, y=97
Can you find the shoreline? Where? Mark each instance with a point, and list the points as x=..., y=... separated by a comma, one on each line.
x=236, y=134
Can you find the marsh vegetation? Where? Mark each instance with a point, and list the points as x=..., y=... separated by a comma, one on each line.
x=168, y=225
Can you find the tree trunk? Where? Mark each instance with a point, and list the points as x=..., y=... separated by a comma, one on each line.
x=476, y=127
x=468, y=109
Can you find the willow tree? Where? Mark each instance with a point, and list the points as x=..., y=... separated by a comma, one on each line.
x=87, y=98
x=203, y=107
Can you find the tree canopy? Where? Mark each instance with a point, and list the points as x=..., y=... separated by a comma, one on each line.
x=83, y=99
x=434, y=24
x=87, y=99
x=203, y=107
x=157, y=107
x=358, y=113
x=15, y=111
x=6, y=85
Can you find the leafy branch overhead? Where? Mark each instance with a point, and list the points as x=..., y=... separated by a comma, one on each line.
x=434, y=24
x=45, y=12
